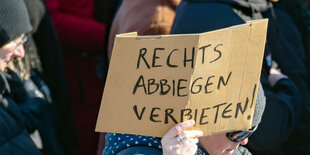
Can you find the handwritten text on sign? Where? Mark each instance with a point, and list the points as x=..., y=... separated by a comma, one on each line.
x=175, y=87
x=155, y=82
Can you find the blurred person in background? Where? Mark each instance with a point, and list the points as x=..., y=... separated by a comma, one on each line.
x=288, y=37
x=145, y=17
x=42, y=74
x=18, y=110
x=82, y=39
x=285, y=101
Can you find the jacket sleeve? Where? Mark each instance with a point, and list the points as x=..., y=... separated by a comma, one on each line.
x=283, y=108
x=128, y=144
x=140, y=150
x=75, y=33
x=32, y=108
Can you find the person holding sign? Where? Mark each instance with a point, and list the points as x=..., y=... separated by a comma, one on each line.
x=179, y=140
x=185, y=143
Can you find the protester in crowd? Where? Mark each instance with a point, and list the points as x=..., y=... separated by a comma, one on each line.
x=178, y=140
x=29, y=69
x=82, y=39
x=37, y=77
x=298, y=13
x=286, y=43
x=45, y=65
x=17, y=108
x=284, y=106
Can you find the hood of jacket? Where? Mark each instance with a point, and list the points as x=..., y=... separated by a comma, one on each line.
x=254, y=5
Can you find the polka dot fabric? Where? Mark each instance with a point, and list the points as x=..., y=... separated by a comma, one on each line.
x=115, y=143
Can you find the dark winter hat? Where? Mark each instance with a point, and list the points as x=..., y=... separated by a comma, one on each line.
x=259, y=107
x=14, y=20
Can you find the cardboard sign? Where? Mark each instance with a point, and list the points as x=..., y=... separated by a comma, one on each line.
x=155, y=82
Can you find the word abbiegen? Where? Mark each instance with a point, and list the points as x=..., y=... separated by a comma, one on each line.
x=174, y=87
x=187, y=58
x=224, y=110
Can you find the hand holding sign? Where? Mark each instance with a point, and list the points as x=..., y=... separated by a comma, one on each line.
x=172, y=146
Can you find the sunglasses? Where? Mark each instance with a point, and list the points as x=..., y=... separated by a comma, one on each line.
x=238, y=136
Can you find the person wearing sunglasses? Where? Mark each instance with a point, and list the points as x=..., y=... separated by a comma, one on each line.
x=179, y=141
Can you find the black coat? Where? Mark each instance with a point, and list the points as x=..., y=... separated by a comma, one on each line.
x=14, y=139
x=283, y=101
x=286, y=45
x=50, y=55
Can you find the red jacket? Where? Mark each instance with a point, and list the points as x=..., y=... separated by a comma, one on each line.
x=81, y=38
x=76, y=27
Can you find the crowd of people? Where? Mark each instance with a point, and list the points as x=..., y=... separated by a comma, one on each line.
x=54, y=57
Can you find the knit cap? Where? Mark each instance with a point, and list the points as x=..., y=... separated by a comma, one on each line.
x=14, y=20
x=259, y=107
